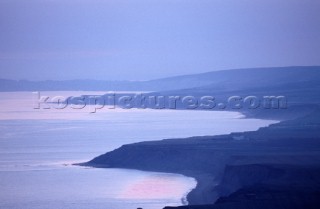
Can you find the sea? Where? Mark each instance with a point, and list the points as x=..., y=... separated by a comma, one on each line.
x=38, y=148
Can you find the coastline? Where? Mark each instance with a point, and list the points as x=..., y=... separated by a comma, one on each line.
x=202, y=193
x=198, y=194
x=205, y=158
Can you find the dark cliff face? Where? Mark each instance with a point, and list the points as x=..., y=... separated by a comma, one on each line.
x=270, y=177
x=236, y=177
x=268, y=187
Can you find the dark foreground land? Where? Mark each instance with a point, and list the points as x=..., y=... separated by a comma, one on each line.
x=274, y=167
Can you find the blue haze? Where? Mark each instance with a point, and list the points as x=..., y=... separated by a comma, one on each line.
x=147, y=39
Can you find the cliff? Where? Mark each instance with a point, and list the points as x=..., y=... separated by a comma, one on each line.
x=226, y=164
x=267, y=187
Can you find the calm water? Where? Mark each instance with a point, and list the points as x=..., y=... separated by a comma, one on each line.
x=37, y=148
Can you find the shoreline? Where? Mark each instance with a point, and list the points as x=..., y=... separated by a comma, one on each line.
x=200, y=193
x=205, y=158
x=185, y=198
x=193, y=196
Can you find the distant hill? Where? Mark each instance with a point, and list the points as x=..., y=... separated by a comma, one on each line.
x=300, y=85
x=226, y=80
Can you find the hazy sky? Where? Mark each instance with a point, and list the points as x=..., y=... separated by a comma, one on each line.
x=145, y=39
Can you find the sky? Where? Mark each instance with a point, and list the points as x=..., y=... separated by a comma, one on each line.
x=148, y=39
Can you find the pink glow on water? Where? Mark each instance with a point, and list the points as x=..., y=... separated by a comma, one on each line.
x=158, y=186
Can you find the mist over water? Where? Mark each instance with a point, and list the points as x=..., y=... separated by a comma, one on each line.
x=37, y=148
